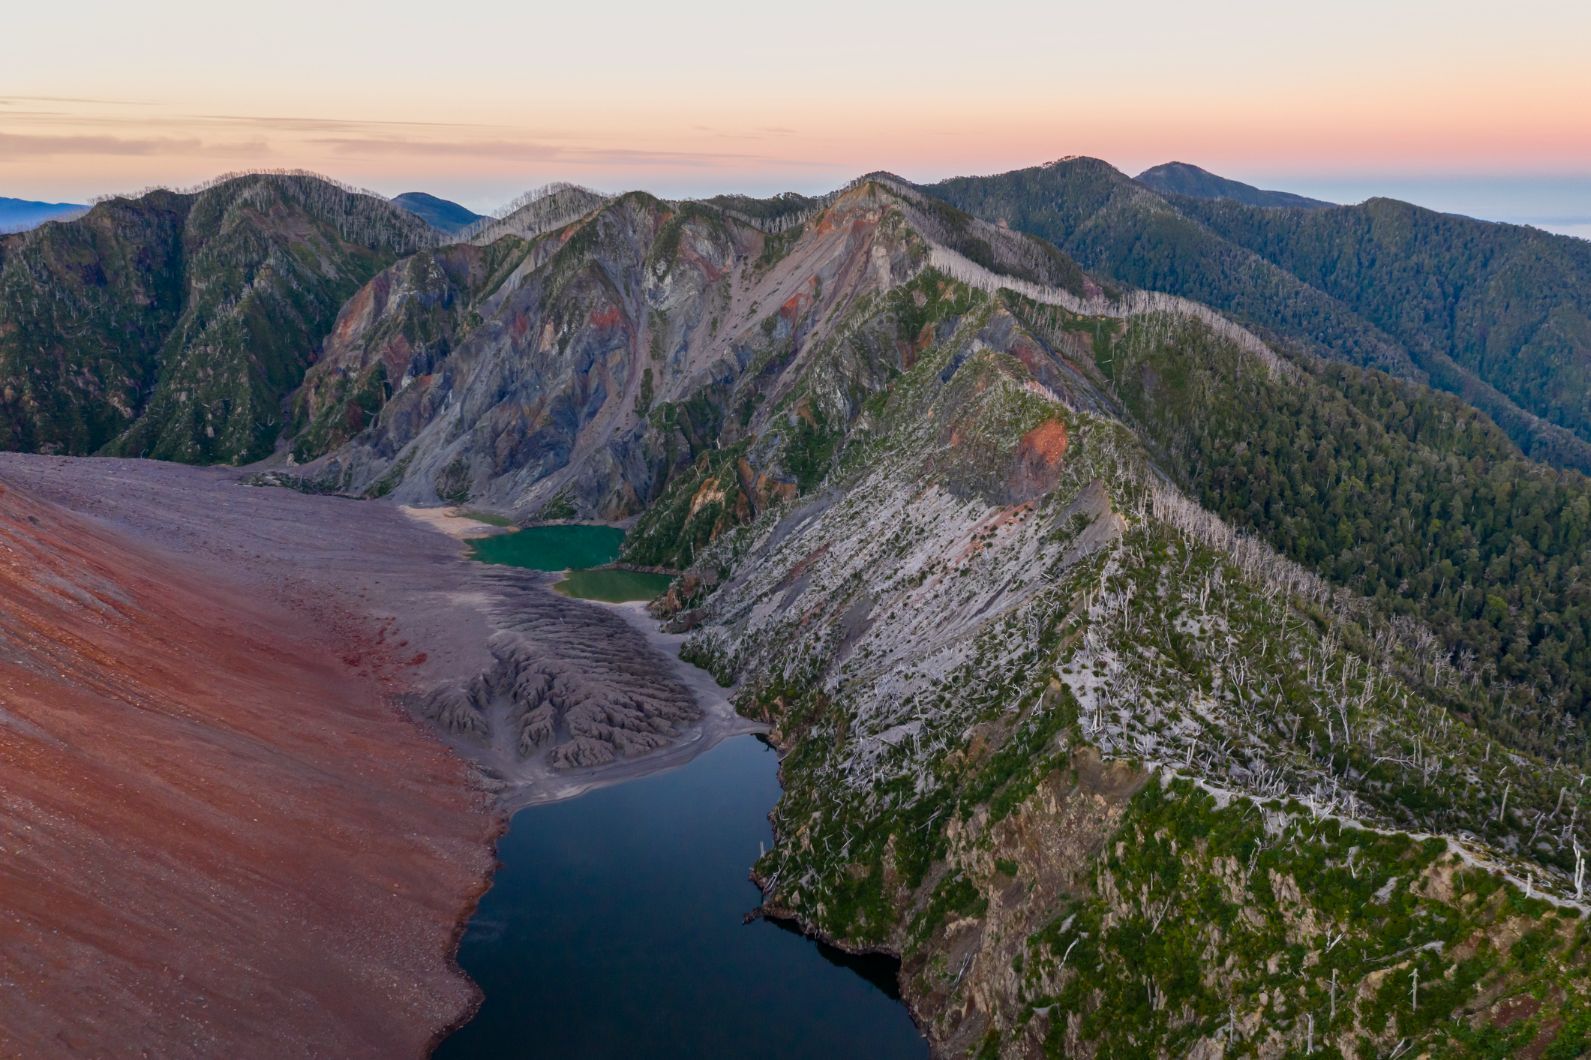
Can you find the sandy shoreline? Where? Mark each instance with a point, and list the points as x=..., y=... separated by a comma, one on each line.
x=719, y=721
x=451, y=521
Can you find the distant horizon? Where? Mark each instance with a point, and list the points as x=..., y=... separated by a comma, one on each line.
x=1462, y=107
x=1554, y=203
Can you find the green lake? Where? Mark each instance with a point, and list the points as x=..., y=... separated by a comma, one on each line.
x=566, y=546
x=614, y=586
x=576, y=548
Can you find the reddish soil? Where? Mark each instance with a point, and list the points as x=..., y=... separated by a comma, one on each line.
x=1045, y=444
x=1038, y=460
x=1510, y=1011
x=611, y=317
x=795, y=306
x=218, y=835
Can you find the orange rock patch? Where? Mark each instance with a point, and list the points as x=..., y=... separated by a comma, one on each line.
x=1038, y=461
x=1045, y=443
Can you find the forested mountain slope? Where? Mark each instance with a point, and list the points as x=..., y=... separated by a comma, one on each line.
x=1495, y=313
x=1401, y=494
x=1073, y=747
x=173, y=325
x=1507, y=304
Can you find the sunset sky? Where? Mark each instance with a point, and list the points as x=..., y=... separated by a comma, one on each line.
x=1483, y=108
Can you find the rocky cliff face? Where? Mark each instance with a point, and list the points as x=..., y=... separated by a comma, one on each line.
x=592, y=364
x=398, y=327
x=1112, y=778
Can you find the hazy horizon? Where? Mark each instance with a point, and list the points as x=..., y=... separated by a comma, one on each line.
x=1560, y=204
x=1461, y=107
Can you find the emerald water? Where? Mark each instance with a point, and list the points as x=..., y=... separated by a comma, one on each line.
x=614, y=586
x=615, y=928
x=575, y=548
x=566, y=546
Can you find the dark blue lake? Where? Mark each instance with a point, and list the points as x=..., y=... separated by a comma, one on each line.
x=614, y=928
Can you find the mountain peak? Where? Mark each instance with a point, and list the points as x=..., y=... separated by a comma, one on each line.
x=1079, y=162
x=186, y=364
x=439, y=213
x=1184, y=178
x=19, y=215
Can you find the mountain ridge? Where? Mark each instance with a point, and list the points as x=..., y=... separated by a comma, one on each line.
x=678, y=279
x=190, y=315
x=1182, y=178
x=1270, y=268
x=895, y=624
x=19, y=215
x=441, y=214
x=393, y=424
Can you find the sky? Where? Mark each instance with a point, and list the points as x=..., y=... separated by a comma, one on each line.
x=1469, y=107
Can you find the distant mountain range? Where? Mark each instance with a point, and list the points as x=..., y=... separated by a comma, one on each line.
x=1180, y=178
x=1499, y=314
x=442, y=214
x=19, y=215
